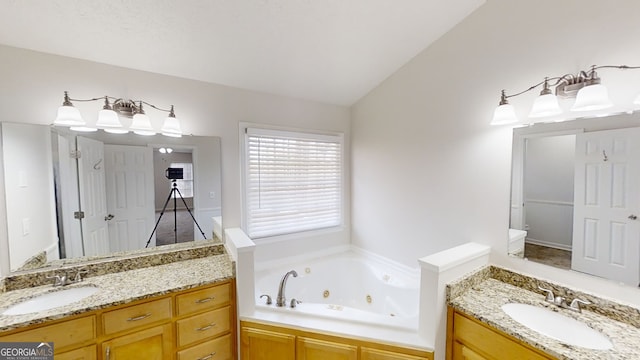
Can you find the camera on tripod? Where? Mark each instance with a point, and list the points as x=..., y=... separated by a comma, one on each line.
x=174, y=173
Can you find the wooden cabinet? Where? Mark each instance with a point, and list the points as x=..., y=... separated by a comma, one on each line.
x=83, y=353
x=462, y=352
x=261, y=344
x=265, y=342
x=219, y=348
x=203, y=326
x=205, y=323
x=377, y=354
x=203, y=299
x=136, y=316
x=154, y=344
x=313, y=349
x=188, y=325
x=469, y=339
x=66, y=335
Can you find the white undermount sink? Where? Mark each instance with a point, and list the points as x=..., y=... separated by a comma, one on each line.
x=51, y=300
x=557, y=326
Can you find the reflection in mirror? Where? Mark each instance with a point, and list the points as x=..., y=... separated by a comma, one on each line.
x=107, y=193
x=575, y=196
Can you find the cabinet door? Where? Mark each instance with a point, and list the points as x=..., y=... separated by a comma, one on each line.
x=150, y=344
x=461, y=352
x=375, y=354
x=312, y=349
x=258, y=344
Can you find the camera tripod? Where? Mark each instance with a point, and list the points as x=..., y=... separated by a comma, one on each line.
x=172, y=193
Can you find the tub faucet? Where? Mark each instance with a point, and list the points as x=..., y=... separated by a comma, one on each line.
x=281, y=301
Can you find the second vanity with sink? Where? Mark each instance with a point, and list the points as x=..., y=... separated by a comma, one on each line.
x=499, y=314
x=174, y=304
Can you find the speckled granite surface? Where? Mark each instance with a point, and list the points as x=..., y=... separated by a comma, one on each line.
x=114, y=262
x=482, y=294
x=122, y=287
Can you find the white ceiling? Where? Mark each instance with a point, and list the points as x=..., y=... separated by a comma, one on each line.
x=333, y=51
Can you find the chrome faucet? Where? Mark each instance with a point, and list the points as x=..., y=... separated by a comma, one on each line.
x=281, y=299
x=562, y=302
x=66, y=279
x=59, y=280
x=575, y=304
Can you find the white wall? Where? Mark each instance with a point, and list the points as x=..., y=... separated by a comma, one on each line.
x=548, y=190
x=428, y=172
x=29, y=190
x=32, y=85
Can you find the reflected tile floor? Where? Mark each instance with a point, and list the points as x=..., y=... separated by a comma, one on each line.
x=546, y=255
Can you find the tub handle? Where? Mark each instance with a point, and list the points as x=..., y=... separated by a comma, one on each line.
x=268, y=298
x=294, y=302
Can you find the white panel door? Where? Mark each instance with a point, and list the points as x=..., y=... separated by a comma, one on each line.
x=606, y=240
x=130, y=196
x=91, y=182
x=69, y=198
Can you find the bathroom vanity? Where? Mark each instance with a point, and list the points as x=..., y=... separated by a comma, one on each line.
x=479, y=327
x=177, y=310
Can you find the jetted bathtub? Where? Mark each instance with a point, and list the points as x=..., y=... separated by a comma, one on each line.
x=347, y=293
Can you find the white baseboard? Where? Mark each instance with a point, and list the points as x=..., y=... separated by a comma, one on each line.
x=548, y=244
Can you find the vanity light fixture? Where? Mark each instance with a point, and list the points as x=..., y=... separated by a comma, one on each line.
x=109, y=120
x=165, y=150
x=585, y=87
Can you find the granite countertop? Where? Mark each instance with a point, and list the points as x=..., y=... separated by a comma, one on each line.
x=121, y=288
x=483, y=297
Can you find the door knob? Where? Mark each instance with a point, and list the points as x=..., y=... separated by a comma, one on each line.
x=633, y=217
x=108, y=217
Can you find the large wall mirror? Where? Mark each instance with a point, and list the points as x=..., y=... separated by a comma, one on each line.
x=72, y=195
x=575, y=196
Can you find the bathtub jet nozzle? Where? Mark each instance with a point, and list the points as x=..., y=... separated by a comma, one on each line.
x=281, y=300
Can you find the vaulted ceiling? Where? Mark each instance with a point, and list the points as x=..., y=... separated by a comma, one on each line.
x=333, y=51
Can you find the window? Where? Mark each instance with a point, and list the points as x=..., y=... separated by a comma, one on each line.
x=293, y=182
x=185, y=185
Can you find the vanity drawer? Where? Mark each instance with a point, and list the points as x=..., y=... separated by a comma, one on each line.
x=63, y=334
x=137, y=315
x=203, y=326
x=217, y=349
x=208, y=298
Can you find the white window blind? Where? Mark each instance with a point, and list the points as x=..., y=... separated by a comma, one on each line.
x=293, y=182
x=185, y=185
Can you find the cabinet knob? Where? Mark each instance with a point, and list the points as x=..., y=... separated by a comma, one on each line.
x=633, y=217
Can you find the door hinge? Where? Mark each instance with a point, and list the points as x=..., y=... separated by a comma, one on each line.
x=78, y=215
x=75, y=154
